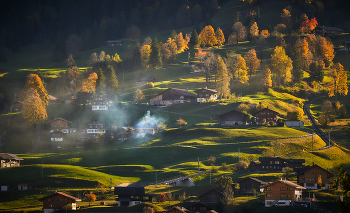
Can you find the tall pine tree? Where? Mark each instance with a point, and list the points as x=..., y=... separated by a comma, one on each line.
x=297, y=72
x=223, y=80
x=112, y=82
x=101, y=83
x=155, y=59
x=194, y=40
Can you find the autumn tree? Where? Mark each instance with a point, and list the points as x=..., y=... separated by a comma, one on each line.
x=181, y=122
x=211, y=160
x=173, y=34
x=148, y=209
x=200, y=55
x=281, y=65
x=279, y=29
x=327, y=112
x=207, y=36
x=111, y=82
x=73, y=79
x=181, y=42
x=34, y=108
x=239, y=33
x=194, y=41
x=241, y=70
x=223, y=80
x=267, y=82
x=265, y=33
x=325, y=50
x=306, y=54
x=338, y=78
x=254, y=31
x=145, y=55
x=262, y=45
x=101, y=82
x=223, y=182
x=162, y=198
x=183, y=197
x=34, y=82
x=89, y=84
x=252, y=62
x=164, y=51
x=138, y=96
x=295, y=114
x=133, y=32
x=219, y=36
x=148, y=41
x=308, y=25
x=172, y=46
x=297, y=72
x=89, y=197
x=210, y=65
x=155, y=60
x=286, y=18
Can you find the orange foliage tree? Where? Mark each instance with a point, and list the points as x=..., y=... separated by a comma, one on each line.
x=265, y=33
x=267, y=82
x=252, y=62
x=338, y=79
x=181, y=42
x=34, y=109
x=239, y=33
x=89, y=84
x=90, y=197
x=207, y=36
x=306, y=54
x=308, y=25
x=200, y=55
x=281, y=65
x=219, y=36
x=34, y=82
x=254, y=31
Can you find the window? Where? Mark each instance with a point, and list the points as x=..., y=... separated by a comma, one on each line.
x=262, y=166
x=49, y=199
x=268, y=188
x=283, y=189
x=290, y=189
x=307, y=179
x=277, y=162
x=283, y=195
x=268, y=195
x=290, y=195
x=145, y=197
x=270, y=162
x=269, y=203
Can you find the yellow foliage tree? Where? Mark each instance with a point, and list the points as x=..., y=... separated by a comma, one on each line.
x=265, y=33
x=164, y=51
x=254, y=31
x=239, y=33
x=34, y=109
x=89, y=84
x=222, y=78
x=306, y=54
x=181, y=42
x=267, y=82
x=338, y=79
x=325, y=50
x=34, y=82
x=286, y=18
x=281, y=65
x=138, y=96
x=172, y=46
x=145, y=54
x=252, y=62
x=241, y=70
x=219, y=36
x=207, y=36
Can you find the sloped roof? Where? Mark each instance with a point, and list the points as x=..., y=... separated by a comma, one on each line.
x=274, y=158
x=60, y=193
x=301, y=172
x=147, y=79
x=98, y=122
x=183, y=92
x=52, y=98
x=129, y=190
x=190, y=204
x=331, y=28
x=289, y=183
x=212, y=190
x=181, y=209
x=58, y=119
x=255, y=179
x=211, y=90
x=9, y=156
x=232, y=111
x=265, y=109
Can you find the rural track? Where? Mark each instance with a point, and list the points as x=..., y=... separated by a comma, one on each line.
x=315, y=125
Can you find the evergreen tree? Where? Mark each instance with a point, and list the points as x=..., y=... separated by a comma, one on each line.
x=194, y=41
x=316, y=72
x=155, y=59
x=136, y=54
x=101, y=83
x=223, y=80
x=112, y=82
x=173, y=34
x=297, y=72
x=219, y=36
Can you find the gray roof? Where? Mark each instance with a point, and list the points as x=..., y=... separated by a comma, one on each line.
x=289, y=183
x=211, y=90
x=255, y=179
x=233, y=111
x=147, y=79
x=289, y=160
x=9, y=156
x=129, y=190
x=58, y=119
x=184, y=92
x=330, y=28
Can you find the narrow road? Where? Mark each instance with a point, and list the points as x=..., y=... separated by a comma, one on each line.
x=315, y=125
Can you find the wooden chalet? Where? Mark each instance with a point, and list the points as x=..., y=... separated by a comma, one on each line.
x=275, y=164
x=144, y=81
x=115, y=43
x=172, y=96
x=83, y=98
x=23, y=186
x=308, y=177
x=327, y=31
x=100, y=102
x=266, y=115
x=206, y=94
x=129, y=196
x=211, y=197
x=56, y=136
x=282, y=190
x=250, y=185
x=96, y=126
x=53, y=100
x=197, y=207
x=233, y=118
x=60, y=124
x=9, y=160
x=198, y=68
x=177, y=209
x=58, y=201
x=16, y=106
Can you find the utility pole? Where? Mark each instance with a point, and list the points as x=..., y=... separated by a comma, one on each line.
x=313, y=141
x=239, y=152
x=276, y=150
x=189, y=55
x=111, y=185
x=198, y=165
x=156, y=177
x=210, y=177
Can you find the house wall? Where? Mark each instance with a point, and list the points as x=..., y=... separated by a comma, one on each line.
x=294, y=123
x=248, y=186
x=233, y=119
x=210, y=197
x=310, y=177
x=267, y=114
x=156, y=99
x=59, y=124
x=56, y=139
x=9, y=163
x=99, y=107
x=274, y=192
x=175, y=210
x=56, y=202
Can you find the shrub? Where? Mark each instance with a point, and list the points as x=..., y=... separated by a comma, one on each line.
x=241, y=165
x=243, y=108
x=148, y=85
x=271, y=123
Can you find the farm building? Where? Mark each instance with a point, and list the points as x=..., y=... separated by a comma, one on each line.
x=211, y=197
x=248, y=185
x=206, y=94
x=58, y=201
x=16, y=106
x=282, y=190
x=309, y=176
x=60, y=124
x=83, y=98
x=95, y=127
x=177, y=209
x=99, y=102
x=327, y=31
x=144, y=81
x=294, y=123
x=172, y=96
x=53, y=100
x=275, y=164
x=129, y=196
x=266, y=115
x=197, y=207
x=115, y=43
x=56, y=136
x=9, y=160
x=233, y=118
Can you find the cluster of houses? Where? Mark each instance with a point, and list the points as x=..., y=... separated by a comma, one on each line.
x=275, y=192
